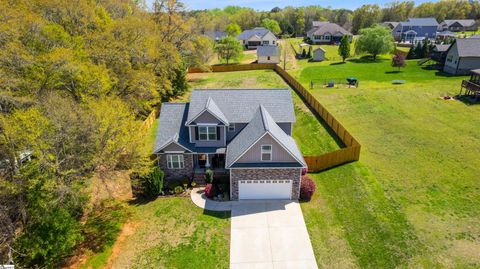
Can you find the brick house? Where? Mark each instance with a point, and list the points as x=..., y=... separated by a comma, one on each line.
x=242, y=134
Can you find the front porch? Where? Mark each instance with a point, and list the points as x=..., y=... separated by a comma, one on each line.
x=213, y=161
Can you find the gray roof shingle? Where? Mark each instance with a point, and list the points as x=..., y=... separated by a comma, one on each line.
x=239, y=105
x=268, y=51
x=262, y=123
x=259, y=31
x=464, y=23
x=468, y=47
x=420, y=22
x=171, y=125
x=328, y=27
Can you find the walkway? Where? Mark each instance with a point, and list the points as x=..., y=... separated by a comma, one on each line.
x=264, y=233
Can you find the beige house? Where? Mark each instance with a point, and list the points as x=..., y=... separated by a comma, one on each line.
x=463, y=56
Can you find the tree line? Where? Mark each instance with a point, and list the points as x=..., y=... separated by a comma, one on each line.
x=295, y=21
x=76, y=80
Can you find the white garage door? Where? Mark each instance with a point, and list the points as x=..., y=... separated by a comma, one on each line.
x=265, y=189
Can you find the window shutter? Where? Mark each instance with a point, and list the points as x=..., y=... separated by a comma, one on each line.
x=196, y=132
x=218, y=133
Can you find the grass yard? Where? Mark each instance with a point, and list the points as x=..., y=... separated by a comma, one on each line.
x=313, y=137
x=173, y=233
x=413, y=200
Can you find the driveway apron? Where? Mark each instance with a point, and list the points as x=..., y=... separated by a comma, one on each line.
x=269, y=234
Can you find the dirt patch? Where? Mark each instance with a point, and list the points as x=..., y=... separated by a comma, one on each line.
x=128, y=229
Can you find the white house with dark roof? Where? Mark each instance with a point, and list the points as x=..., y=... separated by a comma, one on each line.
x=243, y=135
x=268, y=54
x=324, y=32
x=256, y=37
x=463, y=56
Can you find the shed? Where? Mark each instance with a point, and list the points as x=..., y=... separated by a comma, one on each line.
x=268, y=54
x=319, y=55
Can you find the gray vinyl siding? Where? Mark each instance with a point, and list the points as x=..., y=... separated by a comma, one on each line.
x=467, y=64
x=173, y=147
x=451, y=66
x=206, y=117
x=279, y=154
x=238, y=127
x=286, y=127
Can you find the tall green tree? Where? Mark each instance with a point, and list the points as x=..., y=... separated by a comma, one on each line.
x=233, y=29
x=365, y=16
x=228, y=48
x=374, y=40
x=344, y=48
x=271, y=25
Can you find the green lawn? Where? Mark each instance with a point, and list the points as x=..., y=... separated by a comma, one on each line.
x=413, y=200
x=313, y=137
x=174, y=233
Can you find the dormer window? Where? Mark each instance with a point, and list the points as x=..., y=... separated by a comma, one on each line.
x=231, y=127
x=266, y=152
x=207, y=133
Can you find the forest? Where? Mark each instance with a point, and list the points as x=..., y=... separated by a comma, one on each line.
x=78, y=77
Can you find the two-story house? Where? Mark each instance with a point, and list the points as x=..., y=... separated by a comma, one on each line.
x=258, y=36
x=245, y=134
x=415, y=29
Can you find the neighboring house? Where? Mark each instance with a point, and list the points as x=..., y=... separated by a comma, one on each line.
x=416, y=29
x=459, y=25
x=390, y=24
x=268, y=54
x=216, y=35
x=258, y=36
x=318, y=54
x=243, y=134
x=439, y=53
x=326, y=33
x=463, y=56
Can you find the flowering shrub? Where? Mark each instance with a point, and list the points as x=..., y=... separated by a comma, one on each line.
x=307, y=188
x=210, y=191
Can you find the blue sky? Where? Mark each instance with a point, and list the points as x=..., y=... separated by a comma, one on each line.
x=269, y=4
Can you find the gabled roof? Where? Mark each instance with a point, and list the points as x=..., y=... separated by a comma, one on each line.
x=259, y=31
x=441, y=48
x=213, y=109
x=464, y=23
x=171, y=128
x=392, y=23
x=468, y=47
x=268, y=51
x=261, y=124
x=320, y=48
x=239, y=105
x=328, y=27
x=420, y=22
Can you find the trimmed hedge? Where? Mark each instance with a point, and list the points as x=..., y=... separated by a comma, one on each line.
x=307, y=188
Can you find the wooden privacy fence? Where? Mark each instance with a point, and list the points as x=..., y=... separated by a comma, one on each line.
x=349, y=153
x=148, y=122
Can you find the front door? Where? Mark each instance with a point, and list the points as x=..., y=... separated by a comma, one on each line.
x=202, y=160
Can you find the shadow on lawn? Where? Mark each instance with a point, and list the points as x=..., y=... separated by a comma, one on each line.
x=217, y=214
x=365, y=59
x=338, y=63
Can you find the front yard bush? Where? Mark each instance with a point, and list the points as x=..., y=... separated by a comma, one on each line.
x=154, y=183
x=209, y=176
x=307, y=188
x=178, y=190
x=210, y=191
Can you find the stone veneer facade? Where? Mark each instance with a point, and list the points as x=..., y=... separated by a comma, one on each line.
x=186, y=172
x=265, y=174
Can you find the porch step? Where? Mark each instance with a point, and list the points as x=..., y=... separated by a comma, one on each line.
x=199, y=179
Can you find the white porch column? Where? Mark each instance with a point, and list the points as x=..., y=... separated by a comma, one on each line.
x=207, y=164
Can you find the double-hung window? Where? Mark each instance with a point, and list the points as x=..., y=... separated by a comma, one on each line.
x=175, y=161
x=207, y=133
x=266, y=152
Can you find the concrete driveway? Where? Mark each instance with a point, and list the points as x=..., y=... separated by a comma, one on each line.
x=269, y=234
